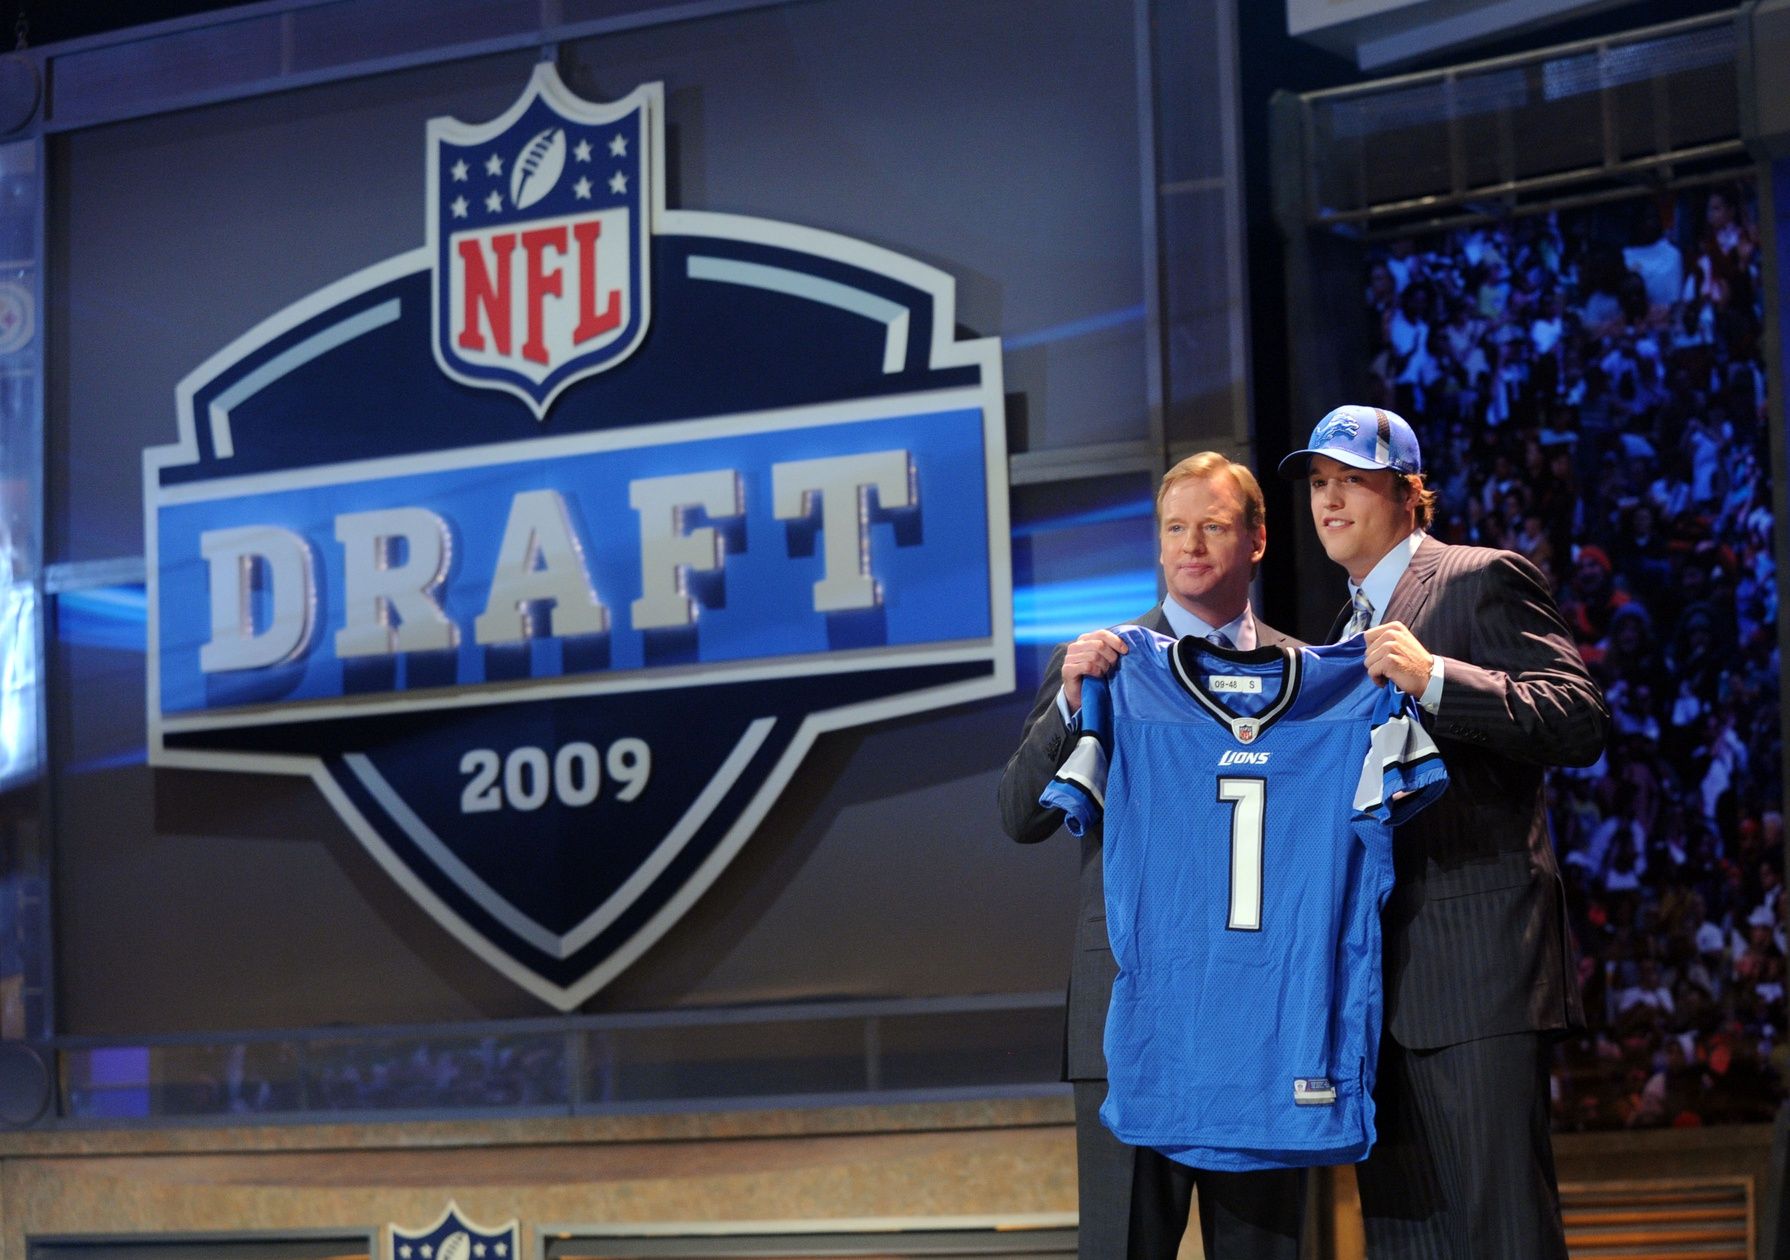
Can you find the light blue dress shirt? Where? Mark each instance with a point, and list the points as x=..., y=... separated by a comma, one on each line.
x=1378, y=586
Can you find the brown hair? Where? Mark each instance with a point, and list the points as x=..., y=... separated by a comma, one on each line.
x=1211, y=464
x=1420, y=497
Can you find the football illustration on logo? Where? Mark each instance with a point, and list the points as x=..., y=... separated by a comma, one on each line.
x=451, y=1237
x=538, y=168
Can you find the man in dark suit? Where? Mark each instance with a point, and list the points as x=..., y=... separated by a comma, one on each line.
x=1134, y=1201
x=1478, y=968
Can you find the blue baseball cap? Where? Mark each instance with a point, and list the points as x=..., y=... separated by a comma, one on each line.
x=1361, y=437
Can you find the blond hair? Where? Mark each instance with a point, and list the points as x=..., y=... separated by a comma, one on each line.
x=1211, y=464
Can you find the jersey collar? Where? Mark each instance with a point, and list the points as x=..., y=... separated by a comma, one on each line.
x=1185, y=661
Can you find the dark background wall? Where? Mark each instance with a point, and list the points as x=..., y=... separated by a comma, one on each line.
x=1007, y=155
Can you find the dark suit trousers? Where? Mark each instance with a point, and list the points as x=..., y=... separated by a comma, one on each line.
x=1134, y=1201
x=1463, y=1168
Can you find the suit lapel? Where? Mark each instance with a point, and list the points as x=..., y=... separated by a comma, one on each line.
x=1267, y=636
x=1408, y=597
x=1413, y=589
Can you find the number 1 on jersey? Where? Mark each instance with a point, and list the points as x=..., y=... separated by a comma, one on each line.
x=1248, y=797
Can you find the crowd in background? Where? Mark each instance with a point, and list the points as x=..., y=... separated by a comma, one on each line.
x=1589, y=388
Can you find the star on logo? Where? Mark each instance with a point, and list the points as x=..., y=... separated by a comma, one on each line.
x=582, y=151
x=458, y=206
x=618, y=147
x=581, y=190
x=494, y=165
x=427, y=1251
x=493, y=202
x=459, y=170
x=478, y=1249
x=404, y=1252
x=618, y=183
x=502, y=1249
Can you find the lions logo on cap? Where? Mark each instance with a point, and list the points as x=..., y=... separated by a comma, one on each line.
x=1345, y=427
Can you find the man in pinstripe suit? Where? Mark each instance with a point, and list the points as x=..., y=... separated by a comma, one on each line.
x=1135, y=1202
x=1477, y=965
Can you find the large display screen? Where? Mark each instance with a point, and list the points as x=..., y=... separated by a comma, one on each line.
x=1590, y=389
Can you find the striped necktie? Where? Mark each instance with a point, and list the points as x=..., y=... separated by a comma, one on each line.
x=1361, y=613
x=1219, y=638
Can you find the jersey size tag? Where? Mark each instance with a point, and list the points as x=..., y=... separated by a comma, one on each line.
x=1234, y=682
x=1314, y=1091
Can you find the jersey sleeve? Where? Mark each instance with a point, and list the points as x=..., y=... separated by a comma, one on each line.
x=1079, y=787
x=1403, y=770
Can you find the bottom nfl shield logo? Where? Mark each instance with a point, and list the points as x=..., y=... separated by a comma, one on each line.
x=452, y=1237
x=1246, y=732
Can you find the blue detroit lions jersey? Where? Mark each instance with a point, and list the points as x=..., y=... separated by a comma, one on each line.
x=1248, y=800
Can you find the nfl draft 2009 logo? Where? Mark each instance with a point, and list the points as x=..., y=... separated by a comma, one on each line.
x=547, y=549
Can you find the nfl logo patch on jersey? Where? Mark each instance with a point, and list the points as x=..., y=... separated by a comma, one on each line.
x=1246, y=732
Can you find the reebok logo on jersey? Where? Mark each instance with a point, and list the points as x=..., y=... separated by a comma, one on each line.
x=1235, y=758
x=1313, y=1091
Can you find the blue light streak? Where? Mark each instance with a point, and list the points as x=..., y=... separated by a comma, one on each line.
x=112, y=617
x=1103, y=322
x=1061, y=610
x=1131, y=510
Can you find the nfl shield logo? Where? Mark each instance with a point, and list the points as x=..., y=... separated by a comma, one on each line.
x=1246, y=732
x=539, y=223
x=452, y=1237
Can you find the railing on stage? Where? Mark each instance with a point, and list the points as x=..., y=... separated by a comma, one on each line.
x=796, y=1054
x=1596, y=118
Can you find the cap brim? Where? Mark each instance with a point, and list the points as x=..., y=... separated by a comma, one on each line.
x=1294, y=466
